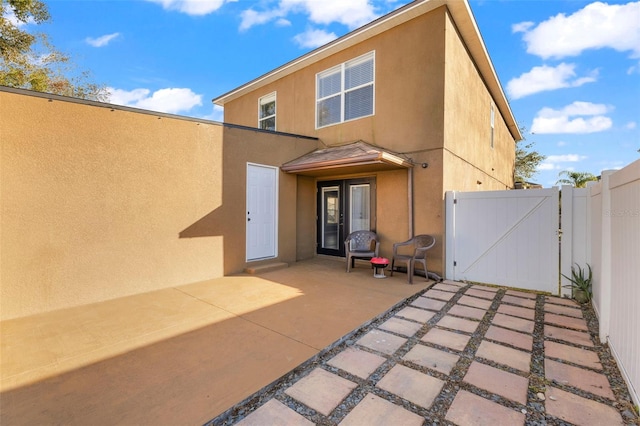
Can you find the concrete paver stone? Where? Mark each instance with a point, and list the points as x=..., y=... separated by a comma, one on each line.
x=524, y=294
x=517, y=311
x=467, y=312
x=572, y=354
x=432, y=358
x=475, y=302
x=514, y=300
x=381, y=341
x=274, y=413
x=400, y=326
x=587, y=380
x=456, y=323
x=426, y=303
x=564, y=321
x=439, y=294
x=518, y=324
x=503, y=383
x=580, y=411
x=321, y=390
x=480, y=292
x=447, y=339
x=375, y=411
x=513, y=358
x=572, y=336
x=446, y=287
x=510, y=337
x=468, y=409
x=561, y=301
x=411, y=385
x=563, y=310
x=357, y=362
x=415, y=314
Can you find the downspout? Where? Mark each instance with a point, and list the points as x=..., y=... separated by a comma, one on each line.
x=410, y=199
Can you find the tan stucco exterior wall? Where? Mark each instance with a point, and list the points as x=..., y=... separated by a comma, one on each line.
x=431, y=105
x=98, y=203
x=408, y=91
x=469, y=156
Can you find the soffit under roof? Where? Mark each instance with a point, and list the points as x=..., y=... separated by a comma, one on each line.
x=357, y=157
x=462, y=17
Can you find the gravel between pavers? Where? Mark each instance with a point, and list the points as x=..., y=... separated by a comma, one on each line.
x=435, y=415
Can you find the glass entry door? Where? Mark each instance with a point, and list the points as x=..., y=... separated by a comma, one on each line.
x=344, y=206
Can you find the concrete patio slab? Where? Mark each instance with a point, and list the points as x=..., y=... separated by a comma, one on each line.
x=419, y=315
x=467, y=312
x=439, y=294
x=381, y=341
x=572, y=311
x=519, y=301
x=482, y=292
x=580, y=411
x=427, y=303
x=565, y=321
x=517, y=311
x=513, y=323
x=182, y=355
x=401, y=326
x=475, y=302
x=460, y=324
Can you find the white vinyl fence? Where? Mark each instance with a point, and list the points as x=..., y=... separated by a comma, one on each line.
x=511, y=238
x=613, y=230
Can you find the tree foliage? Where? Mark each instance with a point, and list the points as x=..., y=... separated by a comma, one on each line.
x=30, y=61
x=527, y=160
x=576, y=179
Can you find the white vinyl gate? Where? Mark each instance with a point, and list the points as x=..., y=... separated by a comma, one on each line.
x=508, y=238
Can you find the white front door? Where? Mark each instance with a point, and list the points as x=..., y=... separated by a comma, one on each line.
x=262, y=202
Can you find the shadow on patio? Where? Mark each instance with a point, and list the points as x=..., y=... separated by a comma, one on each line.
x=183, y=355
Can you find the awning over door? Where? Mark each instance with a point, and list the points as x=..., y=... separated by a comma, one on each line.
x=352, y=158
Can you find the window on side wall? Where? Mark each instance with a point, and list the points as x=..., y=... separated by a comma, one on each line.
x=345, y=92
x=267, y=112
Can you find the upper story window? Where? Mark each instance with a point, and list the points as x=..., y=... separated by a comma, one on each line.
x=345, y=92
x=267, y=112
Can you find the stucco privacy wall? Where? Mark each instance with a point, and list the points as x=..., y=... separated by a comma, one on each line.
x=99, y=202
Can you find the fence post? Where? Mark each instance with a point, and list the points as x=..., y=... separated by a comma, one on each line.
x=450, y=235
x=566, y=238
x=605, y=260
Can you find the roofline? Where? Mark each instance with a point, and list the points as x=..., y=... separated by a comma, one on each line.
x=464, y=20
x=113, y=107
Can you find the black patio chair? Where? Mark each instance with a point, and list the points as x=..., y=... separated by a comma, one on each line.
x=360, y=245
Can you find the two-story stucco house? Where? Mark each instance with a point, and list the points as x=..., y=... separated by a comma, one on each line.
x=404, y=109
x=367, y=132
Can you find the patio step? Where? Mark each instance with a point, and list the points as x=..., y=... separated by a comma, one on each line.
x=254, y=270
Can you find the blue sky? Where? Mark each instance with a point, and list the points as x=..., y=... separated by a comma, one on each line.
x=571, y=69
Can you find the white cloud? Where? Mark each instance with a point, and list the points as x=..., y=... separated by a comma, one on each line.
x=571, y=119
x=314, y=38
x=191, y=7
x=216, y=115
x=561, y=143
x=596, y=26
x=11, y=17
x=251, y=17
x=522, y=27
x=544, y=78
x=630, y=125
x=351, y=13
x=565, y=158
x=171, y=100
x=102, y=40
x=558, y=162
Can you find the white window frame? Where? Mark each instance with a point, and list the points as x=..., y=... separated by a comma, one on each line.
x=271, y=97
x=367, y=56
